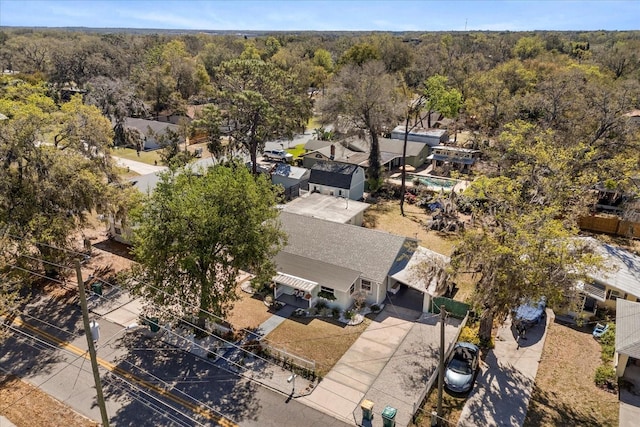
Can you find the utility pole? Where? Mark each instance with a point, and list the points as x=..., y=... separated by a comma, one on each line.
x=92, y=349
x=441, y=364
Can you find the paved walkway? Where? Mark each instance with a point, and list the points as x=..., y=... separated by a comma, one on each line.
x=502, y=391
x=389, y=364
x=138, y=167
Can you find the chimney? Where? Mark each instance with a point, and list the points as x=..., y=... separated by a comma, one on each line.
x=333, y=152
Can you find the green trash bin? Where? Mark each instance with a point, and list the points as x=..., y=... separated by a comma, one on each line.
x=96, y=288
x=367, y=409
x=389, y=416
x=153, y=324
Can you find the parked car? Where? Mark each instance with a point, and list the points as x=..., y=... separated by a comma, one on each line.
x=530, y=313
x=279, y=155
x=462, y=366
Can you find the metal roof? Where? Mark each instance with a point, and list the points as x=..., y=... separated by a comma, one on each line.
x=374, y=253
x=409, y=274
x=622, y=268
x=628, y=328
x=332, y=174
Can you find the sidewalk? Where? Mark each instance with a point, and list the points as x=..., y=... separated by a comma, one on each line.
x=138, y=167
x=389, y=364
x=502, y=391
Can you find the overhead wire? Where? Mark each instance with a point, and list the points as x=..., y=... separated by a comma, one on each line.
x=67, y=363
x=222, y=319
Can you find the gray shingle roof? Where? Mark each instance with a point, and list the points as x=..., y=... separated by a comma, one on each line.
x=332, y=174
x=628, y=328
x=373, y=253
x=329, y=275
x=143, y=125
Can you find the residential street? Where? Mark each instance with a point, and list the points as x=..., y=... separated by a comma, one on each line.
x=145, y=381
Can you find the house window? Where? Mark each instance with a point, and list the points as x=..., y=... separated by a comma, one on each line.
x=327, y=293
x=365, y=285
x=331, y=193
x=339, y=192
x=614, y=295
x=118, y=231
x=352, y=289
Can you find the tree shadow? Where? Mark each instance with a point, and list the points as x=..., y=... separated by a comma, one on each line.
x=547, y=408
x=499, y=395
x=200, y=390
x=115, y=247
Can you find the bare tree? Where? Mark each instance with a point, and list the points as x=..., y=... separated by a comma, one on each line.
x=364, y=100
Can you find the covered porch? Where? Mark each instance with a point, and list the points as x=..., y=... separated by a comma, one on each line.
x=295, y=291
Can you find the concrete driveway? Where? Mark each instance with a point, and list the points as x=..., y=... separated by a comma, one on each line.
x=137, y=167
x=389, y=364
x=503, y=388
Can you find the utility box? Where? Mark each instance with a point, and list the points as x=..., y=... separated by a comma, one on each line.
x=367, y=409
x=153, y=324
x=96, y=288
x=389, y=416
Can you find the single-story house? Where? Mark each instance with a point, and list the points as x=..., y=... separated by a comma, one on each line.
x=627, y=337
x=335, y=152
x=291, y=178
x=431, y=137
x=337, y=179
x=460, y=159
x=619, y=279
x=355, y=150
x=333, y=262
x=143, y=127
x=330, y=208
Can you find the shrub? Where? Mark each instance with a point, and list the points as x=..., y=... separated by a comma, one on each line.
x=608, y=343
x=335, y=312
x=349, y=314
x=470, y=334
x=375, y=308
x=321, y=304
x=605, y=377
x=327, y=295
x=268, y=299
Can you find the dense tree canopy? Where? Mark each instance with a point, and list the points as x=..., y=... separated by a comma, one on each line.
x=364, y=99
x=260, y=102
x=198, y=229
x=47, y=189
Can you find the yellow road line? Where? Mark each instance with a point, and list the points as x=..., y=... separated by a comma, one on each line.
x=223, y=422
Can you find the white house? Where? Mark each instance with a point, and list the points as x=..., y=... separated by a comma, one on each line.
x=291, y=178
x=337, y=179
x=334, y=262
x=147, y=129
x=619, y=279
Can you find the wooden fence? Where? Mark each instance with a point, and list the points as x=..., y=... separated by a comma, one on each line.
x=610, y=225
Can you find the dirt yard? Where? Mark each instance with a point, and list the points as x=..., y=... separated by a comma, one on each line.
x=27, y=406
x=386, y=216
x=565, y=393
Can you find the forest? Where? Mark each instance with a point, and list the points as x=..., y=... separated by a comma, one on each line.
x=552, y=113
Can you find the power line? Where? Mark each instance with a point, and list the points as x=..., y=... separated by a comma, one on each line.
x=54, y=347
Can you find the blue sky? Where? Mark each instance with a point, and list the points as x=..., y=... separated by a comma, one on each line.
x=416, y=15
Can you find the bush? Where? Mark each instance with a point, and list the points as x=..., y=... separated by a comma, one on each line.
x=470, y=334
x=608, y=343
x=349, y=314
x=335, y=312
x=268, y=299
x=321, y=304
x=605, y=377
x=375, y=308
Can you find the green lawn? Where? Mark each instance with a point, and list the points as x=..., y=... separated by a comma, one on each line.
x=296, y=151
x=149, y=157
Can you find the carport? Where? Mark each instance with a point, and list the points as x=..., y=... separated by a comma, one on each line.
x=420, y=280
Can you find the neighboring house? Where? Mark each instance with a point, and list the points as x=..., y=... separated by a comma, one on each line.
x=335, y=152
x=618, y=279
x=291, y=178
x=143, y=127
x=453, y=158
x=330, y=208
x=332, y=262
x=431, y=137
x=337, y=179
x=627, y=337
x=355, y=150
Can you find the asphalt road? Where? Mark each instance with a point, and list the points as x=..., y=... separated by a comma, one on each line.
x=145, y=381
